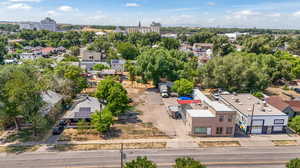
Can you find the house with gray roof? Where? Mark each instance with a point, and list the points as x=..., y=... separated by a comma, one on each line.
x=53, y=102
x=83, y=108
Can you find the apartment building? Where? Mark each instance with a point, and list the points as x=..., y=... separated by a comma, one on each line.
x=45, y=24
x=256, y=116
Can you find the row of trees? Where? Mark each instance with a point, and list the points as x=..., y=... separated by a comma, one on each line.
x=143, y=162
x=54, y=39
x=249, y=72
x=187, y=162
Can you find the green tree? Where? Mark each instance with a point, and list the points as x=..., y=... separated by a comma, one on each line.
x=295, y=124
x=259, y=44
x=183, y=87
x=152, y=65
x=131, y=69
x=187, y=163
x=202, y=37
x=72, y=73
x=103, y=120
x=20, y=95
x=100, y=67
x=3, y=50
x=114, y=95
x=75, y=51
x=117, y=100
x=127, y=50
x=82, y=125
x=140, y=162
x=87, y=37
x=170, y=43
x=294, y=163
x=222, y=46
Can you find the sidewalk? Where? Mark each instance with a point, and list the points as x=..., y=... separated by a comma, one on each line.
x=255, y=140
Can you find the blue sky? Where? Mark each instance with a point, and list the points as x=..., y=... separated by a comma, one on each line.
x=208, y=13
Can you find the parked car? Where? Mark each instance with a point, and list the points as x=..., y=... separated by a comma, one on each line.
x=62, y=123
x=57, y=130
x=164, y=91
x=297, y=90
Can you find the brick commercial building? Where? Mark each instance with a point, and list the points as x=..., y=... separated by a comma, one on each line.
x=208, y=118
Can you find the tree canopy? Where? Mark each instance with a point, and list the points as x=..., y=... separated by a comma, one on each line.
x=140, y=162
x=183, y=87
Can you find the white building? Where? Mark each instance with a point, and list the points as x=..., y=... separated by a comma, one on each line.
x=256, y=116
x=233, y=36
x=139, y=29
x=46, y=24
x=29, y=56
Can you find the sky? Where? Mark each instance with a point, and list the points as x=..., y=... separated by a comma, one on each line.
x=204, y=13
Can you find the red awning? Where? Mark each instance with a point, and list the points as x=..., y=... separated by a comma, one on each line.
x=188, y=101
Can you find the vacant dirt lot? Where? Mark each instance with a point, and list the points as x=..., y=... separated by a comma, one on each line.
x=282, y=93
x=118, y=131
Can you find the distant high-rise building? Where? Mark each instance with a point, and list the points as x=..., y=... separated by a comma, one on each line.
x=46, y=24
x=154, y=27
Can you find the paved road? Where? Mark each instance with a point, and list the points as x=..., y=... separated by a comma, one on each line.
x=262, y=157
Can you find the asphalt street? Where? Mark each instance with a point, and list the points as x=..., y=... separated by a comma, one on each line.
x=241, y=157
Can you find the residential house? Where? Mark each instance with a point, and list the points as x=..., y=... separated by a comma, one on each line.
x=47, y=51
x=205, y=117
x=29, y=56
x=83, y=108
x=53, y=104
x=118, y=65
x=90, y=58
x=256, y=116
x=203, y=49
x=295, y=106
x=281, y=105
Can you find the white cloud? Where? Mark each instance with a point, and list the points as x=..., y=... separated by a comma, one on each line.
x=296, y=13
x=66, y=8
x=19, y=6
x=274, y=15
x=211, y=4
x=132, y=5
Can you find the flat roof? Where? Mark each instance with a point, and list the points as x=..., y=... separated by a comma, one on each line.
x=244, y=104
x=200, y=113
x=217, y=106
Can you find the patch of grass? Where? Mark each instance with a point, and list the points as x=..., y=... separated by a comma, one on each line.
x=113, y=146
x=207, y=144
x=284, y=142
x=18, y=149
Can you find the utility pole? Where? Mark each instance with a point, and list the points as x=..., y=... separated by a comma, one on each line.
x=251, y=124
x=122, y=155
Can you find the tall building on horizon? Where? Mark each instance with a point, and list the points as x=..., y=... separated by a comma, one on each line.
x=45, y=24
x=154, y=27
